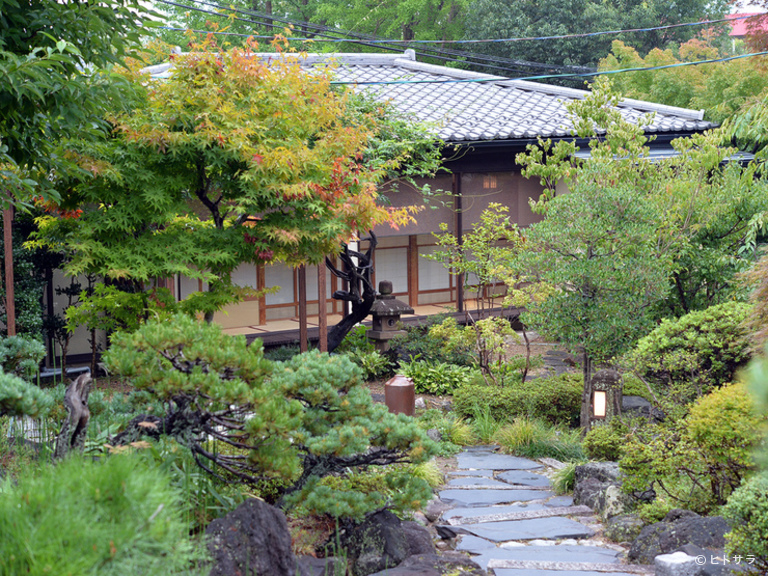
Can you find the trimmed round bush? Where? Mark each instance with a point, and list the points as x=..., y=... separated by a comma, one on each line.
x=695, y=352
x=606, y=442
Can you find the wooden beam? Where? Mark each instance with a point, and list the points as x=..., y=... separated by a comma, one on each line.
x=413, y=271
x=10, y=306
x=459, y=207
x=322, y=308
x=303, y=333
x=261, y=286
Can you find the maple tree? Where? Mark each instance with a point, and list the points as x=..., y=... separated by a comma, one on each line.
x=229, y=160
x=720, y=89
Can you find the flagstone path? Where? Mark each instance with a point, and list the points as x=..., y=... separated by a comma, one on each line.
x=506, y=515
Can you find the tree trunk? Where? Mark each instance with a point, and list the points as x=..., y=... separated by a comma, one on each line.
x=586, y=395
x=73, y=431
x=361, y=293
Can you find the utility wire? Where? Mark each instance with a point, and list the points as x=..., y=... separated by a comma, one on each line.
x=513, y=39
x=366, y=40
x=549, y=76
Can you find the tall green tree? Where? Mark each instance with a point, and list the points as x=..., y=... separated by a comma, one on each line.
x=529, y=18
x=54, y=64
x=634, y=239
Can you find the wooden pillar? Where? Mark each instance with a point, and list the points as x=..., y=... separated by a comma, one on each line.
x=10, y=306
x=261, y=286
x=303, y=335
x=322, y=308
x=413, y=271
x=459, y=207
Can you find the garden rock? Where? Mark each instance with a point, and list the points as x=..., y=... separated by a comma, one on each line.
x=679, y=527
x=597, y=485
x=420, y=404
x=714, y=561
x=623, y=528
x=434, y=434
x=434, y=565
x=435, y=508
x=419, y=539
x=675, y=564
x=613, y=502
x=311, y=566
x=639, y=406
x=379, y=542
x=251, y=540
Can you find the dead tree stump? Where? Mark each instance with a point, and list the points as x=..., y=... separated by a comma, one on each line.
x=72, y=434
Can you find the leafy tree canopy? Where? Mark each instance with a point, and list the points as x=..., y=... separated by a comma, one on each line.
x=529, y=18
x=54, y=58
x=720, y=89
x=228, y=161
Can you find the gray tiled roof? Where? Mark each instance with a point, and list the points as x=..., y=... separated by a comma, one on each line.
x=496, y=109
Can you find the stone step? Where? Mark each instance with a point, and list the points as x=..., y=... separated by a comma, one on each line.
x=523, y=515
x=499, y=486
x=570, y=566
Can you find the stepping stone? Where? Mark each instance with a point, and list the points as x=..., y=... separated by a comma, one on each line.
x=558, y=501
x=474, y=545
x=473, y=498
x=459, y=513
x=479, y=483
x=525, y=515
x=557, y=553
x=552, y=528
x=552, y=463
x=483, y=473
x=524, y=478
x=539, y=572
x=492, y=461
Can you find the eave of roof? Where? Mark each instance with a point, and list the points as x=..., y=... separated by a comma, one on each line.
x=467, y=108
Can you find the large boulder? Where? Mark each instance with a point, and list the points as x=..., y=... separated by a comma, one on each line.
x=598, y=485
x=434, y=565
x=623, y=528
x=419, y=539
x=679, y=527
x=252, y=540
x=379, y=542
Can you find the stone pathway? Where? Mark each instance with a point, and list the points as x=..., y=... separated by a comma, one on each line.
x=506, y=515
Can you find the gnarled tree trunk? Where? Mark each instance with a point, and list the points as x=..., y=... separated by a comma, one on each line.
x=361, y=292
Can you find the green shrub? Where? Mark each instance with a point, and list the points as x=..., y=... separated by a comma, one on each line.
x=556, y=399
x=455, y=432
x=438, y=378
x=534, y=438
x=282, y=353
x=117, y=516
x=373, y=364
x=21, y=355
x=606, y=442
x=295, y=421
x=633, y=386
x=356, y=341
x=690, y=355
x=564, y=479
x=417, y=342
x=747, y=509
x=698, y=461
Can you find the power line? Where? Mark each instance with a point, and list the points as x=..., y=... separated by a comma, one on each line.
x=371, y=41
x=549, y=76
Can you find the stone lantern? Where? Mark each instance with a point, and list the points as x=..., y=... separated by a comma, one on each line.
x=605, y=397
x=386, y=312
